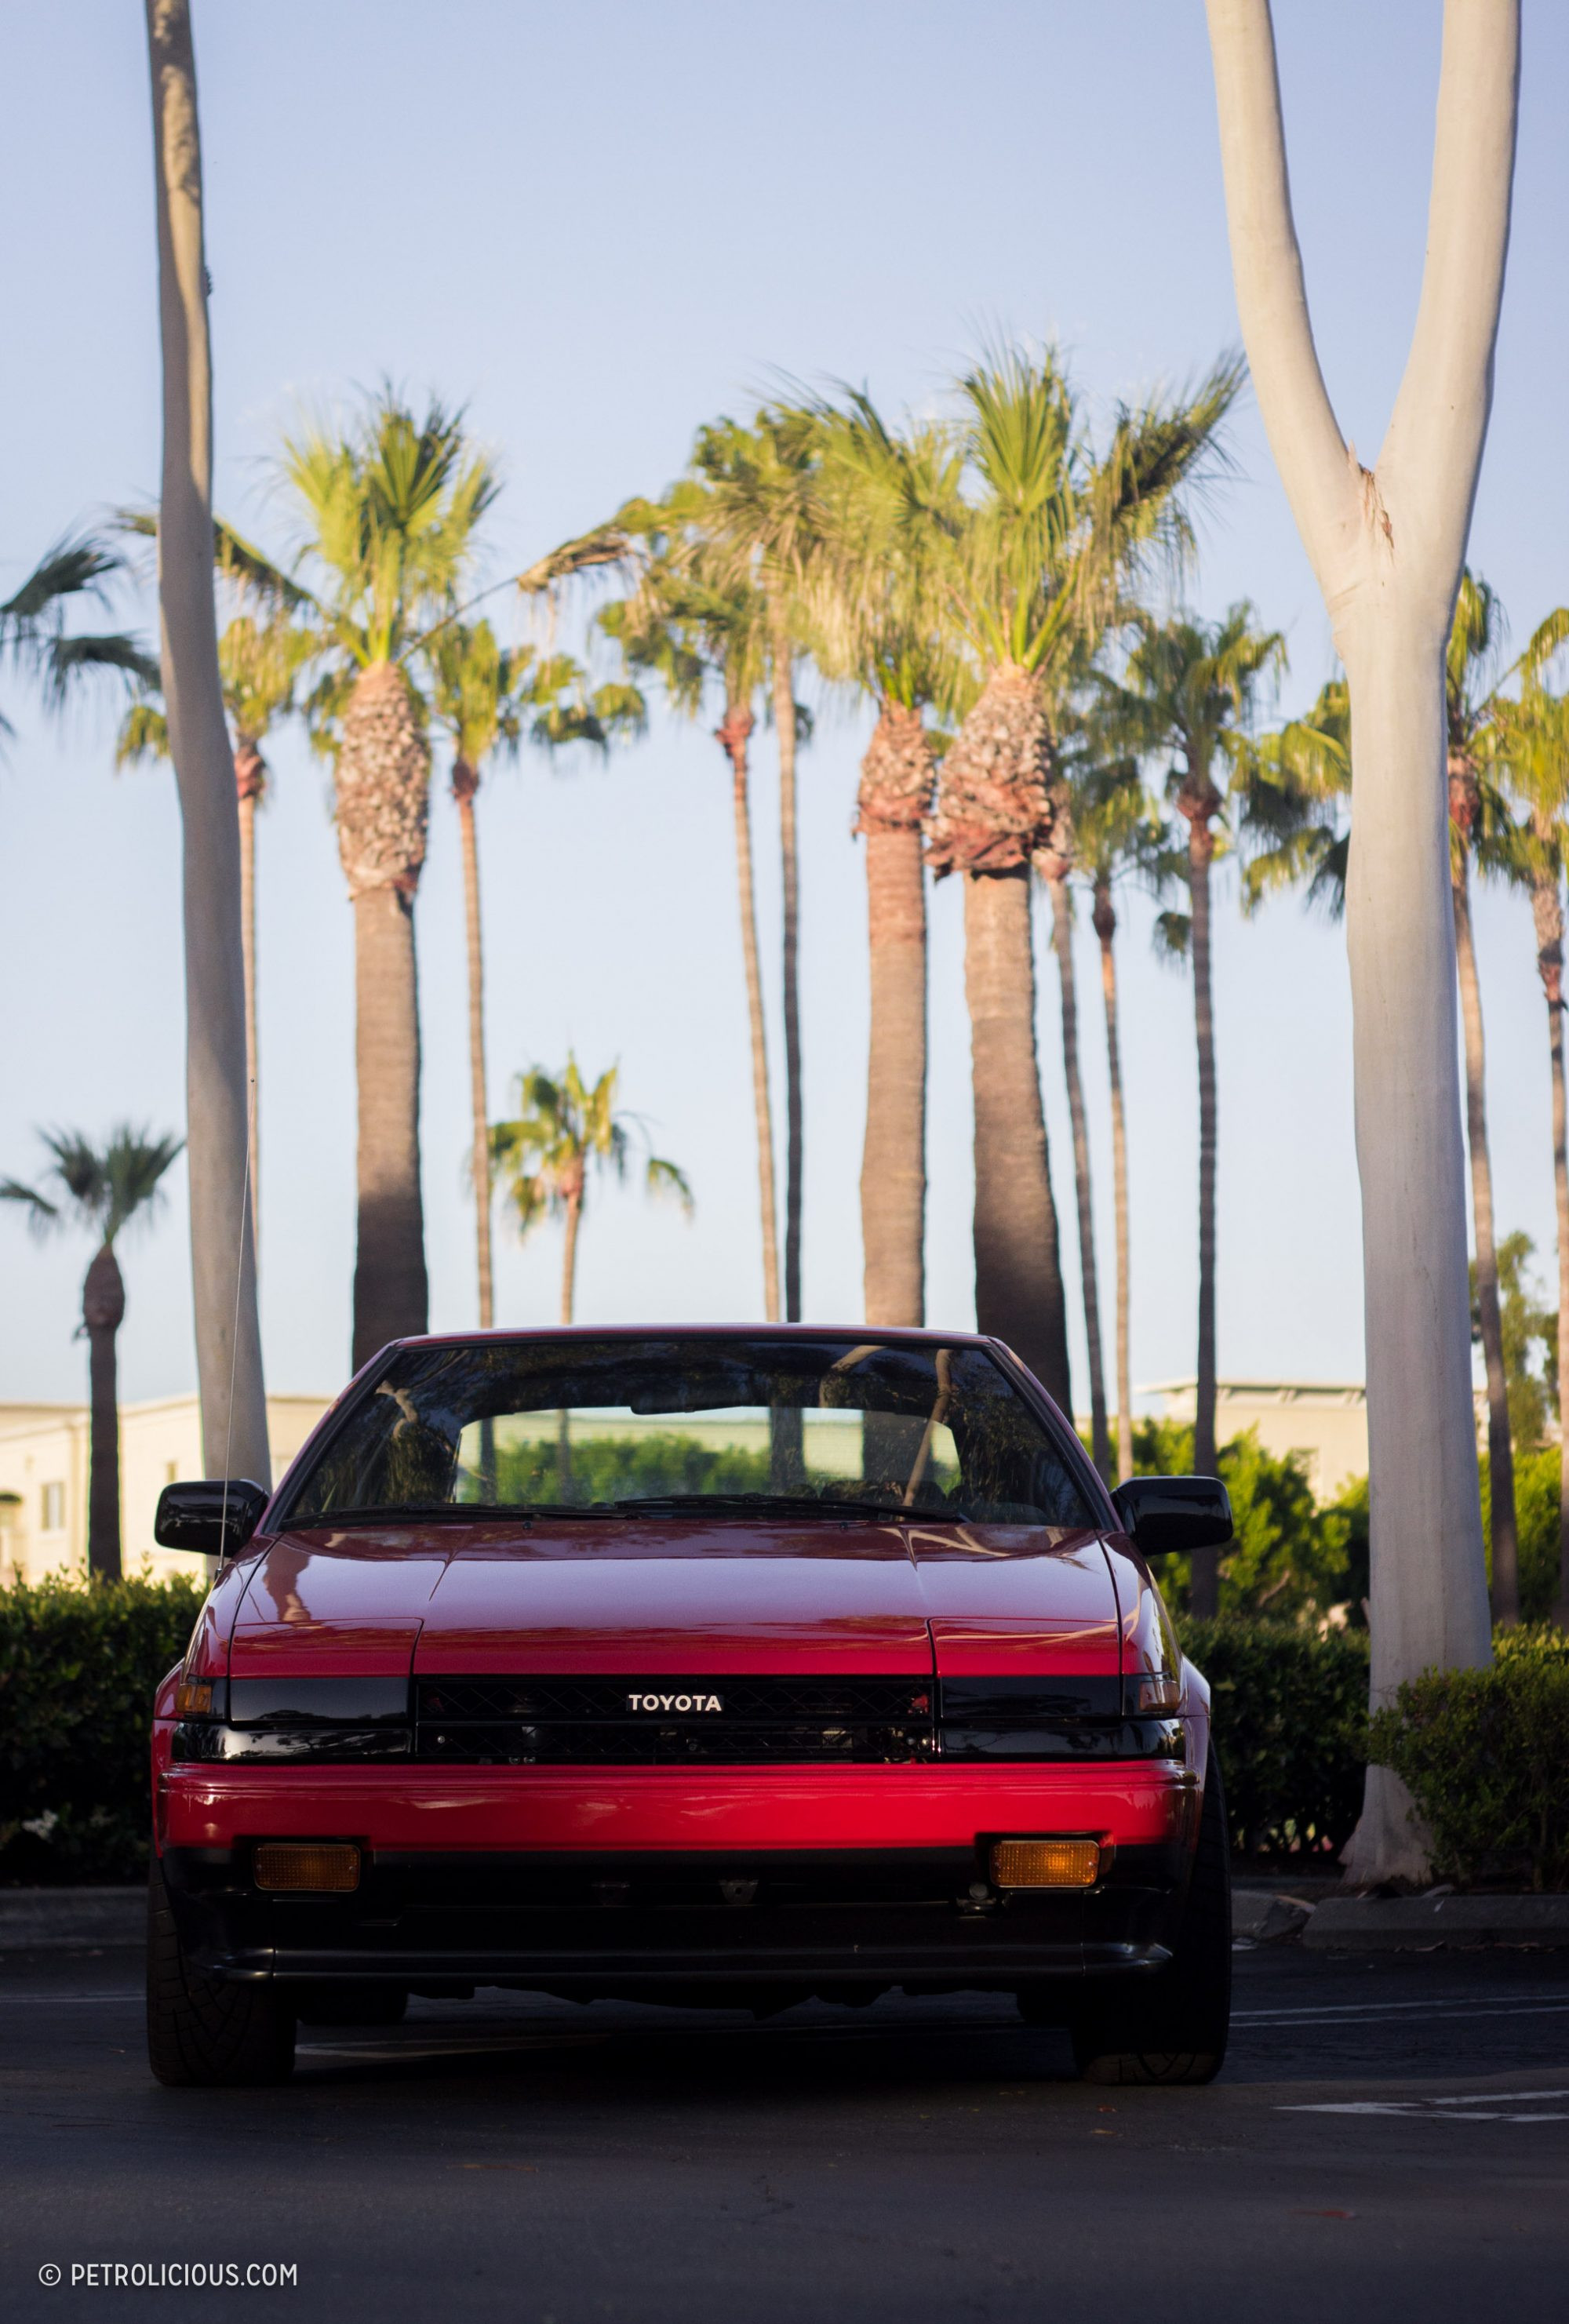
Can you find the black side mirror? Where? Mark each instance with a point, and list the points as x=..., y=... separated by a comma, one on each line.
x=214, y=1517
x=1161, y=1514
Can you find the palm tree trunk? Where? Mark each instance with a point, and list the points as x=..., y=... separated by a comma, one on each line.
x=247, y=764
x=569, y=1257
x=1505, y=1584
x=391, y=1290
x=1062, y=936
x=102, y=1310
x=228, y=1340
x=784, y=719
x=734, y=735
x=383, y=787
x=1018, y=1293
x=893, y=1158
x=1205, y=1589
x=465, y=783
x=1547, y=912
x=1106, y=929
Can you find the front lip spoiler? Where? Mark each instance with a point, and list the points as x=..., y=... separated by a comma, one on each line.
x=901, y=1964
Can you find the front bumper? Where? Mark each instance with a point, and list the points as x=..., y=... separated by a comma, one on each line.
x=643, y=1882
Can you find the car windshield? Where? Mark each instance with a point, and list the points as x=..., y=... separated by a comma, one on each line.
x=630, y=1426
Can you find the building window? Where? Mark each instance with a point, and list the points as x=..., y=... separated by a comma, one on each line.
x=53, y=1518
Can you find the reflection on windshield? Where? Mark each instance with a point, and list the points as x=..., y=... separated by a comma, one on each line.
x=609, y=1425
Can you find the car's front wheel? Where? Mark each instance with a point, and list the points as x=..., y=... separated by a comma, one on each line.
x=203, y=2033
x=1173, y=2028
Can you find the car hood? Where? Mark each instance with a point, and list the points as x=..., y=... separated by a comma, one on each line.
x=673, y=1596
x=670, y=1596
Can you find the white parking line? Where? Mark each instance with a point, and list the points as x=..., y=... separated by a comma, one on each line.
x=1485, y=2105
x=1358, y=2014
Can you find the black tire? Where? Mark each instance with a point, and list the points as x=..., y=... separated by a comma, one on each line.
x=203, y=2033
x=350, y=2004
x=1173, y=2029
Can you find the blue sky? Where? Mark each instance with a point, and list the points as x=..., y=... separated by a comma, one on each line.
x=598, y=227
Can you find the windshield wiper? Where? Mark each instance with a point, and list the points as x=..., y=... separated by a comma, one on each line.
x=760, y=1504
x=449, y=1513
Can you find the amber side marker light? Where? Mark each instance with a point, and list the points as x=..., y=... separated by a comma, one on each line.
x=330, y=1865
x=1046, y=1863
x=193, y=1698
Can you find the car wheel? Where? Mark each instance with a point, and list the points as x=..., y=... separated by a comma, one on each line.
x=350, y=2004
x=1173, y=2029
x=203, y=2033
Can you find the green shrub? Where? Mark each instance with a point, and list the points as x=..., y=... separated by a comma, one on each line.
x=1536, y=1489
x=1290, y=1556
x=1290, y=1725
x=1485, y=1755
x=78, y=1670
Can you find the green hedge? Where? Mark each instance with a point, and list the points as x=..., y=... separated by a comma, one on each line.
x=1485, y=1755
x=1290, y=1725
x=78, y=1670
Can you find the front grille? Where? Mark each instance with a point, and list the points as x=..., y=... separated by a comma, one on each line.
x=572, y=1721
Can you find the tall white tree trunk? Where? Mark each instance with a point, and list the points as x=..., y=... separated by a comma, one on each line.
x=1388, y=548
x=229, y=1343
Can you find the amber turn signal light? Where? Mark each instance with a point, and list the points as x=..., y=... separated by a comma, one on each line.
x=193, y=1698
x=331, y=1865
x=1046, y=1863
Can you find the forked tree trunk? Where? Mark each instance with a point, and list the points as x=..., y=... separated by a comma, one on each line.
x=1062, y=934
x=1388, y=546
x=734, y=737
x=1204, y=1593
x=464, y=784
x=993, y=816
x=784, y=719
x=249, y=781
x=382, y=791
x=228, y=1341
x=1018, y=1293
x=1106, y=929
x=1500, y=1456
x=102, y=1312
x=896, y=783
x=1548, y=913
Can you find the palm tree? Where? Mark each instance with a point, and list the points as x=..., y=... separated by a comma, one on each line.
x=228, y=1338
x=1474, y=810
x=33, y=636
x=1531, y=743
x=1197, y=684
x=761, y=515
x=259, y=663
x=1116, y=829
x=102, y=1189
x=392, y=508
x=694, y=624
x=481, y=695
x=874, y=620
x=564, y=1128
x=1054, y=860
x=1033, y=560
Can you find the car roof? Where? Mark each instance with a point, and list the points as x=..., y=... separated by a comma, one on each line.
x=901, y=1332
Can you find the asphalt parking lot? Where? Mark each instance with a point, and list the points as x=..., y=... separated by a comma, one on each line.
x=1391, y=2139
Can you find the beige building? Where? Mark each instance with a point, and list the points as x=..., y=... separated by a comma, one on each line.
x=1326, y=1422
x=44, y=1479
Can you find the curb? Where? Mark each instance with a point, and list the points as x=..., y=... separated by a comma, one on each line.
x=41, y=1920
x=1385, y=1923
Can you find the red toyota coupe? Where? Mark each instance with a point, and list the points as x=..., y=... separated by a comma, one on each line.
x=700, y=1665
